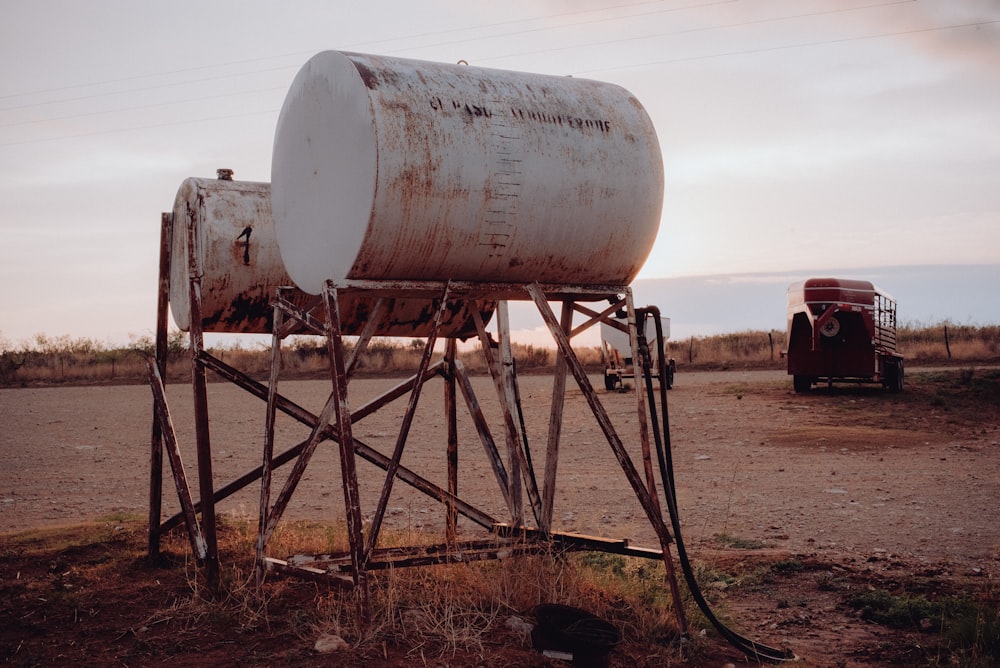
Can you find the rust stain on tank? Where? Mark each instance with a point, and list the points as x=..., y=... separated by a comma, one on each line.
x=367, y=75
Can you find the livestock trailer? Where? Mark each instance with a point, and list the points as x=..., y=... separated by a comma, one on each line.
x=842, y=330
x=616, y=351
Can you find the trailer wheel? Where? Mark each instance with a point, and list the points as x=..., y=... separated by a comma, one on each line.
x=610, y=380
x=894, y=375
x=802, y=383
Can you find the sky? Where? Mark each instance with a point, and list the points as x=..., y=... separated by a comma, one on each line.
x=797, y=135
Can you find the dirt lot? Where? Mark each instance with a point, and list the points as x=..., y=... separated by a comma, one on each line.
x=859, y=487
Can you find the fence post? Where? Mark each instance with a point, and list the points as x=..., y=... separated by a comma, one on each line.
x=947, y=345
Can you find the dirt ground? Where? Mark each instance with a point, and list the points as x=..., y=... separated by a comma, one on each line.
x=860, y=487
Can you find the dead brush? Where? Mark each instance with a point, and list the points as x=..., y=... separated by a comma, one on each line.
x=442, y=610
x=63, y=360
x=428, y=611
x=239, y=602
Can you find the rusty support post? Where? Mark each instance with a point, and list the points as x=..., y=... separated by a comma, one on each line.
x=366, y=334
x=176, y=463
x=267, y=463
x=451, y=417
x=651, y=506
x=404, y=430
x=634, y=329
x=603, y=419
x=315, y=437
x=593, y=317
x=156, y=438
x=555, y=425
x=506, y=394
x=348, y=465
x=199, y=383
x=483, y=429
x=516, y=451
x=309, y=419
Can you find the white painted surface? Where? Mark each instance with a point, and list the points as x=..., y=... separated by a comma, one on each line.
x=387, y=168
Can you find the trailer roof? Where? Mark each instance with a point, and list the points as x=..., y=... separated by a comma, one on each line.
x=834, y=289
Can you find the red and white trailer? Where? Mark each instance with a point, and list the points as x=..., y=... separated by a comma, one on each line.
x=842, y=330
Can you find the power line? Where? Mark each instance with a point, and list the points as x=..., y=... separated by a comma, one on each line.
x=746, y=52
x=686, y=31
x=142, y=106
x=502, y=57
x=606, y=69
x=138, y=77
x=579, y=23
x=147, y=88
x=154, y=126
x=549, y=17
x=311, y=52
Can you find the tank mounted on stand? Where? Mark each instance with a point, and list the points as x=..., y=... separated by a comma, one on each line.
x=411, y=198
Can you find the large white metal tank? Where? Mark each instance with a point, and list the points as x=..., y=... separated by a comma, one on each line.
x=241, y=268
x=387, y=168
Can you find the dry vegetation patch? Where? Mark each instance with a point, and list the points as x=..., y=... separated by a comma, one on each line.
x=48, y=360
x=86, y=595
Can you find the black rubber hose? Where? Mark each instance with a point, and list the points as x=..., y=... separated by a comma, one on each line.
x=749, y=647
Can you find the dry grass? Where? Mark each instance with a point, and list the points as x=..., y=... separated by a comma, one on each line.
x=441, y=611
x=431, y=612
x=128, y=610
x=947, y=342
x=84, y=361
x=750, y=348
x=921, y=344
x=66, y=361
x=87, y=594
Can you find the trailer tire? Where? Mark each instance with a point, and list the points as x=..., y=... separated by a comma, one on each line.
x=894, y=375
x=802, y=383
x=610, y=380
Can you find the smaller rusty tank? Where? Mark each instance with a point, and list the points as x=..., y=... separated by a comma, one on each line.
x=241, y=268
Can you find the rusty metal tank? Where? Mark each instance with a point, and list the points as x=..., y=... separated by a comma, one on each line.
x=388, y=168
x=238, y=255
x=241, y=267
